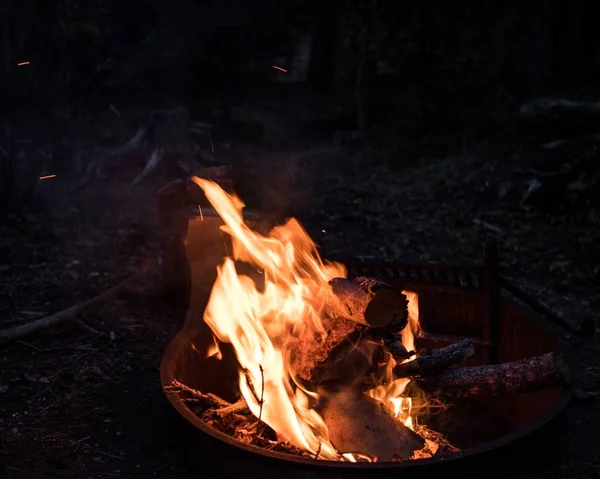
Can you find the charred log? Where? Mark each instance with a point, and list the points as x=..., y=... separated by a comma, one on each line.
x=308, y=352
x=372, y=303
x=368, y=304
x=437, y=360
x=532, y=374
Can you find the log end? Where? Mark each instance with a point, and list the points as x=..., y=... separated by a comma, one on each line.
x=372, y=302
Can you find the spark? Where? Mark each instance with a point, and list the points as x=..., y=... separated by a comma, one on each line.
x=47, y=177
x=280, y=69
x=22, y=63
x=212, y=145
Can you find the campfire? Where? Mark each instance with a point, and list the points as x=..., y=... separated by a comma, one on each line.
x=327, y=366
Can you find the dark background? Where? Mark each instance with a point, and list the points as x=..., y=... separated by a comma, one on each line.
x=405, y=131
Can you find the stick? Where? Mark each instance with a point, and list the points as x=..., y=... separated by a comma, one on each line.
x=436, y=360
x=69, y=314
x=262, y=395
x=371, y=302
x=213, y=400
x=239, y=406
x=532, y=374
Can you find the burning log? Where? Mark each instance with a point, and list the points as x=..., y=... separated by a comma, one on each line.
x=372, y=303
x=367, y=303
x=436, y=360
x=308, y=352
x=359, y=424
x=531, y=374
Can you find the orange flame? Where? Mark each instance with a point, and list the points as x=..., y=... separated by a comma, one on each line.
x=263, y=317
x=390, y=393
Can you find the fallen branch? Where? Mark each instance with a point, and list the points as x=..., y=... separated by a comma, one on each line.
x=69, y=314
x=531, y=374
x=436, y=360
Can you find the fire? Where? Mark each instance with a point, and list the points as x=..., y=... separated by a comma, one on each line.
x=262, y=316
x=390, y=393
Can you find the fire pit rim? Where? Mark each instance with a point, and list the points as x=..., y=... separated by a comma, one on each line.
x=183, y=338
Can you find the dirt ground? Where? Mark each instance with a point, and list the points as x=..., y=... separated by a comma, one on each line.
x=77, y=405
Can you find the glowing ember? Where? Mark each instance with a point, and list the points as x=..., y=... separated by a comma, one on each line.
x=47, y=177
x=263, y=321
x=280, y=69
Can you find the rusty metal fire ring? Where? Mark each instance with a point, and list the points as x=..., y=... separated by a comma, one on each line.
x=462, y=295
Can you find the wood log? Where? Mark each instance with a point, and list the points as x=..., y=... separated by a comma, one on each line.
x=365, y=304
x=310, y=351
x=371, y=302
x=348, y=364
x=532, y=374
x=436, y=360
x=360, y=424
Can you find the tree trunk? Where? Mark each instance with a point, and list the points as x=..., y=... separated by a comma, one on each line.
x=535, y=48
x=575, y=48
x=322, y=64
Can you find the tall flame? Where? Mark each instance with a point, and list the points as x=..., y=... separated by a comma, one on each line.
x=261, y=320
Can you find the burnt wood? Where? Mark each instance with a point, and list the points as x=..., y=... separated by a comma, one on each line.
x=550, y=370
x=371, y=302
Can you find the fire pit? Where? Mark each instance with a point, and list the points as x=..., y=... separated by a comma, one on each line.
x=368, y=386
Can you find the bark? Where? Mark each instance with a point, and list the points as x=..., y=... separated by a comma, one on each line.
x=436, y=360
x=307, y=353
x=532, y=374
x=364, y=303
x=372, y=303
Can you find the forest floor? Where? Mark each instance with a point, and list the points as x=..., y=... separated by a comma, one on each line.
x=76, y=405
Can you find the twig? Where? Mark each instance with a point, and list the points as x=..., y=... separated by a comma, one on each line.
x=101, y=452
x=318, y=450
x=24, y=330
x=86, y=328
x=215, y=401
x=239, y=406
x=262, y=394
x=251, y=386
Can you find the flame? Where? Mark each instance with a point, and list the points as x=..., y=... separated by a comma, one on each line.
x=214, y=351
x=391, y=391
x=264, y=316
